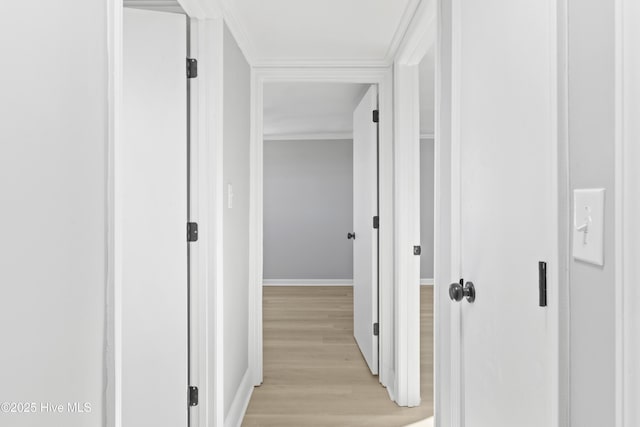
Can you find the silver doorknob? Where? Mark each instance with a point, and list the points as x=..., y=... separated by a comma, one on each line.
x=458, y=291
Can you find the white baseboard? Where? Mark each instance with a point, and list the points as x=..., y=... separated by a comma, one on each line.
x=307, y=282
x=426, y=282
x=240, y=402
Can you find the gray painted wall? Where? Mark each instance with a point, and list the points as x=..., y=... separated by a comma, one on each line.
x=426, y=207
x=53, y=221
x=308, y=197
x=236, y=220
x=308, y=209
x=591, y=159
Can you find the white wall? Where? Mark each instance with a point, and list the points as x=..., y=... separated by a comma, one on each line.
x=591, y=157
x=308, y=210
x=53, y=220
x=308, y=198
x=236, y=223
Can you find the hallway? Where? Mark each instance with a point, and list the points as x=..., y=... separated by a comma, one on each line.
x=314, y=374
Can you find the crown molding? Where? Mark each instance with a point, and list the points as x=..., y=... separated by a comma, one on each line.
x=237, y=29
x=419, y=36
x=199, y=9
x=172, y=6
x=320, y=63
x=401, y=29
x=310, y=136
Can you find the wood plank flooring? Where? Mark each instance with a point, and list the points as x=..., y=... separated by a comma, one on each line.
x=314, y=374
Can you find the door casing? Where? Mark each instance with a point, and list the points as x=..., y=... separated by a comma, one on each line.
x=382, y=77
x=420, y=37
x=627, y=209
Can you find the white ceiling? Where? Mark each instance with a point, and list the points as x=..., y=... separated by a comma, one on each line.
x=305, y=32
x=310, y=110
x=316, y=33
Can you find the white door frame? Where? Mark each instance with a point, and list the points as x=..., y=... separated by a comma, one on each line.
x=627, y=208
x=383, y=78
x=420, y=37
x=206, y=202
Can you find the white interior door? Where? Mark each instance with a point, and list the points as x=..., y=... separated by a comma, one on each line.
x=153, y=185
x=505, y=117
x=365, y=244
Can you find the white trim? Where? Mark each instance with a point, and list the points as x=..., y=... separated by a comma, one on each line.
x=159, y=5
x=208, y=209
x=456, y=396
x=152, y=3
x=237, y=29
x=240, y=402
x=554, y=273
x=444, y=269
x=114, y=232
x=427, y=282
x=307, y=282
x=564, y=221
x=427, y=136
x=420, y=37
x=197, y=253
x=631, y=212
x=331, y=136
x=200, y=9
x=619, y=99
x=627, y=210
x=319, y=63
x=383, y=78
x=403, y=27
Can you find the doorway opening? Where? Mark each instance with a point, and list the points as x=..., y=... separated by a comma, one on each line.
x=307, y=292
x=320, y=298
x=381, y=78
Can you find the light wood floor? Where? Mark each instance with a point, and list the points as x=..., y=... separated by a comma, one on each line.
x=314, y=374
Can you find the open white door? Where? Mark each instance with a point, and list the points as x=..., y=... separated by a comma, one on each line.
x=505, y=149
x=365, y=244
x=153, y=186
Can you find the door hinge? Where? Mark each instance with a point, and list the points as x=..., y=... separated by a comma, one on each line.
x=376, y=116
x=417, y=250
x=542, y=282
x=193, y=396
x=192, y=68
x=376, y=329
x=192, y=232
x=376, y=222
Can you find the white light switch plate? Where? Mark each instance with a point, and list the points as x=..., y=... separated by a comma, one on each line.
x=588, y=225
